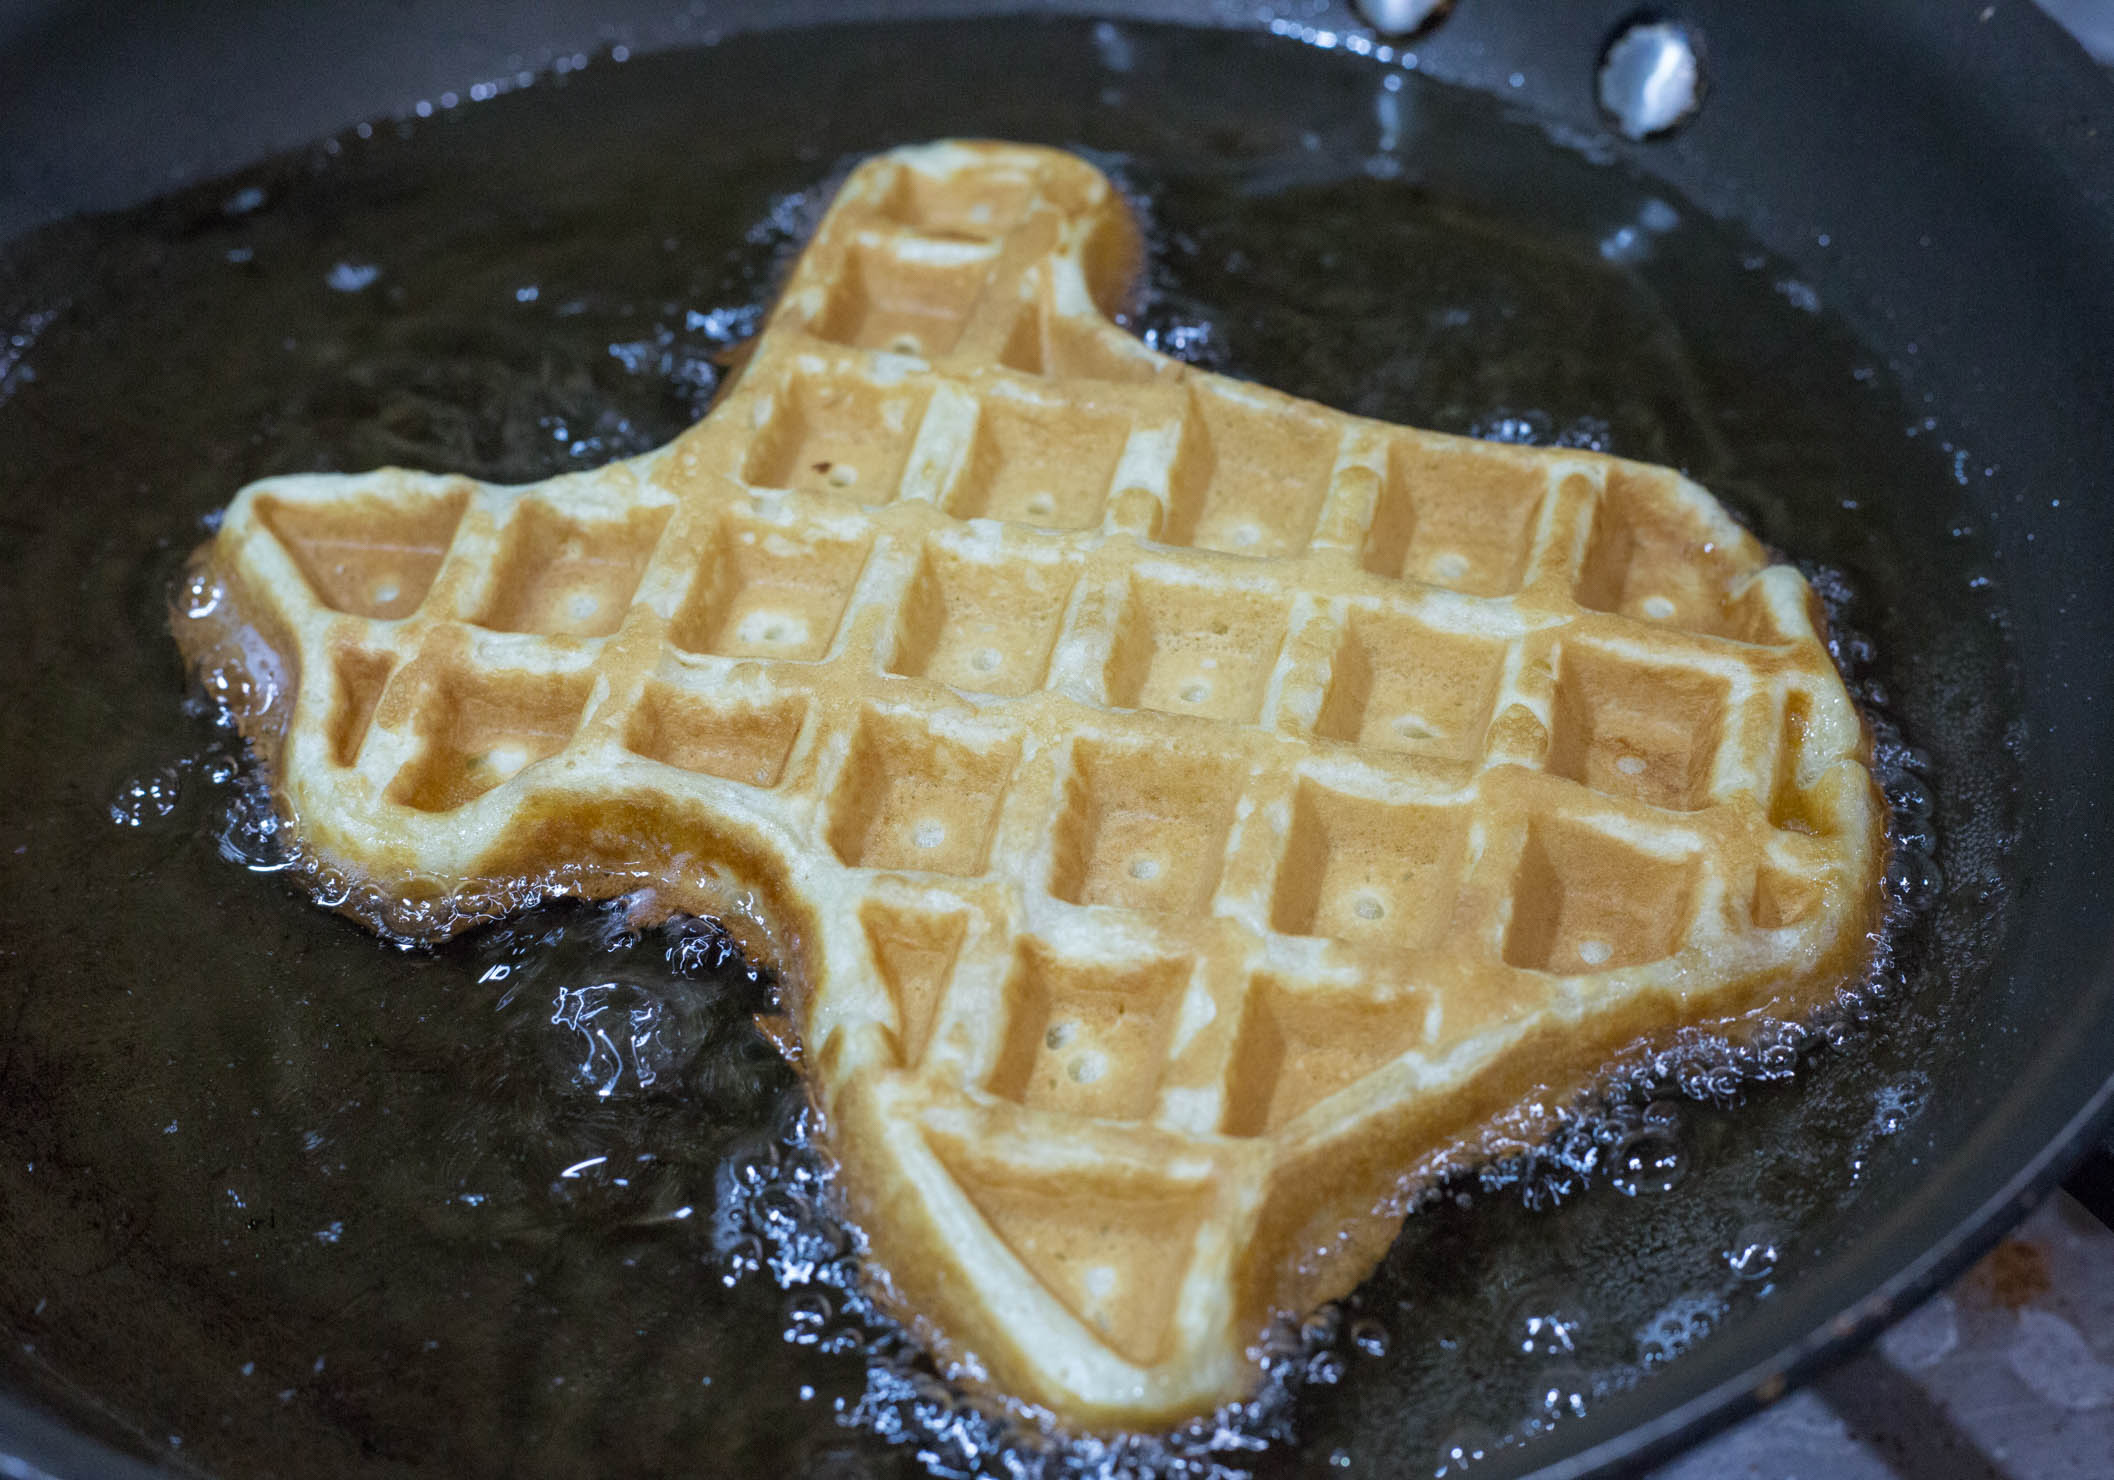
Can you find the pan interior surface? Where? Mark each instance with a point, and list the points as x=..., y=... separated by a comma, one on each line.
x=280, y=1199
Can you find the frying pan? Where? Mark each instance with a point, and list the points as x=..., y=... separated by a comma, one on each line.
x=1936, y=171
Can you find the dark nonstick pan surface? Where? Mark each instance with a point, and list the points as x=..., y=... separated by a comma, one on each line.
x=301, y=1202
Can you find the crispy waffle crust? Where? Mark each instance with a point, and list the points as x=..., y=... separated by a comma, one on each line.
x=1186, y=816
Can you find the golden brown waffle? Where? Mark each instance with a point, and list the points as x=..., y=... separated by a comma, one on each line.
x=1186, y=815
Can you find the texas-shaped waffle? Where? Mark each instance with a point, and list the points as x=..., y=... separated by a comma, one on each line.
x=1184, y=817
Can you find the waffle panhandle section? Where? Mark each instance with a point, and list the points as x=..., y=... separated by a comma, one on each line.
x=1187, y=817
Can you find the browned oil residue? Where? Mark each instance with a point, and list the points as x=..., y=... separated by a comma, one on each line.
x=2013, y=1274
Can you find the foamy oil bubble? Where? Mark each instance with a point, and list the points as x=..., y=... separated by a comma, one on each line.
x=170, y=794
x=149, y=797
x=250, y=832
x=1679, y=1325
x=1897, y=1104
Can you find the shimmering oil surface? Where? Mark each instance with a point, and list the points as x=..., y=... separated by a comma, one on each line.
x=278, y=1199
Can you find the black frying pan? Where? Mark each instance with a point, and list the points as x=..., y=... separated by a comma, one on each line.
x=1936, y=174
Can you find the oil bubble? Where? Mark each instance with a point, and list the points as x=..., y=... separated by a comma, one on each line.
x=1370, y=1335
x=1895, y=1105
x=1663, y=1114
x=1319, y=1329
x=1544, y=1327
x=1463, y=1450
x=1648, y=1162
x=1560, y=1391
x=199, y=596
x=330, y=888
x=252, y=834
x=1913, y=877
x=1754, y=1252
x=236, y=696
x=742, y=1256
x=629, y=1037
x=149, y=798
x=1909, y=795
x=1776, y=1059
x=1280, y=1343
x=807, y=1313
x=703, y=948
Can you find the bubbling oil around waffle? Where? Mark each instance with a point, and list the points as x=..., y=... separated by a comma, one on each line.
x=775, y=1225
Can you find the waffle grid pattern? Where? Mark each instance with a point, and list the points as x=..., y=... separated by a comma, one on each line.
x=1194, y=796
